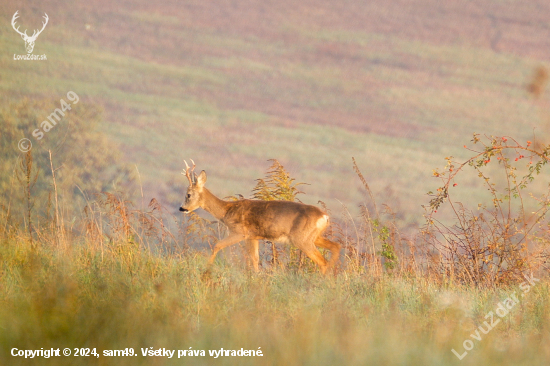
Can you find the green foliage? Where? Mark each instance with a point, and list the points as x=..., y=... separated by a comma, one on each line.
x=379, y=229
x=277, y=185
x=387, y=252
x=496, y=242
x=84, y=160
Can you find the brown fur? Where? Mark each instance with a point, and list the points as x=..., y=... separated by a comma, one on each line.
x=252, y=220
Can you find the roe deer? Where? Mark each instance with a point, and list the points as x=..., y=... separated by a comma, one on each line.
x=252, y=220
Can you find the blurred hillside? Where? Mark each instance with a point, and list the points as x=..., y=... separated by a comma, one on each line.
x=398, y=85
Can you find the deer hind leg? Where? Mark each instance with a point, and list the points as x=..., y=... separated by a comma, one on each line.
x=252, y=248
x=316, y=256
x=330, y=245
x=230, y=240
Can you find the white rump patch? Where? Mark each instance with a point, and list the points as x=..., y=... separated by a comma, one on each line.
x=322, y=222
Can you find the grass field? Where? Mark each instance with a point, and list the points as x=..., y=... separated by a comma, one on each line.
x=117, y=297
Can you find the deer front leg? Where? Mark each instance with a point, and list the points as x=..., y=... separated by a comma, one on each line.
x=230, y=240
x=252, y=248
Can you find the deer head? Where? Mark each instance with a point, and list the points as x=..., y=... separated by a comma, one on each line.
x=29, y=41
x=194, y=196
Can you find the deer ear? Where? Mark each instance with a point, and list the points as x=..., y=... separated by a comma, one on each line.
x=201, y=179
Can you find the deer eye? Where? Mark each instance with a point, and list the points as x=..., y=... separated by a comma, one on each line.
x=188, y=195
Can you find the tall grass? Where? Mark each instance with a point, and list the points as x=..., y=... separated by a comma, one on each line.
x=81, y=297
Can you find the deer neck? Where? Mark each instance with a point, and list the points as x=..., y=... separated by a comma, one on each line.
x=215, y=206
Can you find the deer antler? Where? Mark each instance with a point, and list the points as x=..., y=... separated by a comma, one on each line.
x=43, y=26
x=189, y=174
x=15, y=16
x=35, y=34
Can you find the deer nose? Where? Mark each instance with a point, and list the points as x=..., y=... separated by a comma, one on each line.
x=183, y=209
